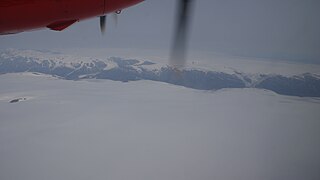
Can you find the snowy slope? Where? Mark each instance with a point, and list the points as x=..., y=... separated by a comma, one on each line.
x=146, y=130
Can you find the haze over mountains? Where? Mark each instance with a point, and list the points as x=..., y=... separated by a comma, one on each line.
x=118, y=69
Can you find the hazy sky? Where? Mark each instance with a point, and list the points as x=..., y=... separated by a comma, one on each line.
x=282, y=29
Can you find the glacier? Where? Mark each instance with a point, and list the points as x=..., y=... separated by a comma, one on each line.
x=141, y=130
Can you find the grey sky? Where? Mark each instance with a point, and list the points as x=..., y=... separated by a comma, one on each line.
x=281, y=29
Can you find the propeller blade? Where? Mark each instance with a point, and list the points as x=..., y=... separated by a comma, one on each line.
x=178, y=51
x=115, y=18
x=103, y=24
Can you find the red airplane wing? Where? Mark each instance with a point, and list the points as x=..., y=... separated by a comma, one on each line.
x=23, y=15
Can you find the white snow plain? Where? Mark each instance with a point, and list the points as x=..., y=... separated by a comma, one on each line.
x=146, y=130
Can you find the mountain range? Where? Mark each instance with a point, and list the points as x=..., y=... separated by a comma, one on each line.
x=119, y=69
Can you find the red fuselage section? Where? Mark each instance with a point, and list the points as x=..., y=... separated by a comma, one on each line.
x=22, y=15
